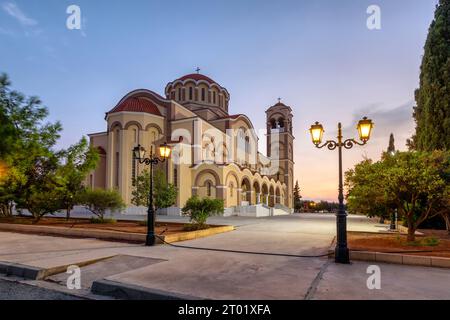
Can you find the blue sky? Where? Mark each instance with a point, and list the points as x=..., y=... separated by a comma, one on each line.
x=318, y=56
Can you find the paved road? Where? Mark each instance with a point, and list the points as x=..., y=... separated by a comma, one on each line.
x=227, y=275
x=10, y=290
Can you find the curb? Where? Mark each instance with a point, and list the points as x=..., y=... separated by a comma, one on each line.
x=22, y=271
x=111, y=235
x=396, y=258
x=37, y=273
x=413, y=260
x=133, y=292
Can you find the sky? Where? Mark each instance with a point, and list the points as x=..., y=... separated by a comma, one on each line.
x=318, y=56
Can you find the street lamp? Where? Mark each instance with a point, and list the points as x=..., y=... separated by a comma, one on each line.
x=139, y=154
x=364, y=130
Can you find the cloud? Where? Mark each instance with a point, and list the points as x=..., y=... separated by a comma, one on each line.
x=14, y=11
x=397, y=120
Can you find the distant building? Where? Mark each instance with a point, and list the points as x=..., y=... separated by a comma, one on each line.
x=214, y=154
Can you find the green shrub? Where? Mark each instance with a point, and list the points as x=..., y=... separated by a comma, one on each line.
x=98, y=201
x=199, y=210
x=431, y=241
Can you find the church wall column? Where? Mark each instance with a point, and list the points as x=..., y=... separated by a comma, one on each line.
x=110, y=161
x=124, y=166
x=221, y=192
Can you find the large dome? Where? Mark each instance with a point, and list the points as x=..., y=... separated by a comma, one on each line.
x=196, y=91
x=197, y=77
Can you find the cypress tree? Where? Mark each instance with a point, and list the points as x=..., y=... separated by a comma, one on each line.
x=391, y=148
x=432, y=111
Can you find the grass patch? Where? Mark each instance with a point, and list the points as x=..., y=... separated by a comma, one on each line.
x=195, y=227
x=96, y=220
x=425, y=242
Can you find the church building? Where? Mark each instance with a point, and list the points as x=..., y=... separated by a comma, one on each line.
x=214, y=153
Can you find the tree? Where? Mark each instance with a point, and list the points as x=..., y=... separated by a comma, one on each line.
x=199, y=210
x=391, y=147
x=297, y=197
x=365, y=190
x=28, y=153
x=98, y=201
x=78, y=160
x=432, y=111
x=164, y=194
x=414, y=182
x=40, y=192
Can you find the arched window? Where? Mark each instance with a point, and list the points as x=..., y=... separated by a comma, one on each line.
x=273, y=124
x=133, y=170
x=203, y=94
x=231, y=189
x=179, y=94
x=208, y=188
x=175, y=177
x=190, y=93
x=247, y=145
x=214, y=97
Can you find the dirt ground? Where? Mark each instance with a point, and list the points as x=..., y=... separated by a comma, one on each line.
x=398, y=243
x=164, y=228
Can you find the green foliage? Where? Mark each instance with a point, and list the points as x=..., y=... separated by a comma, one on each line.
x=425, y=242
x=432, y=113
x=417, y=183
x=164, y=194
x=297, y=198
x=141, y=190
x=199, y=210
x=78, y=160
x=31, y=181
x=98, y=201
x=41, y=190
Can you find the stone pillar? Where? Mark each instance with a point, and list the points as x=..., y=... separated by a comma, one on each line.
x=124, y=165
x=258, y=198
x=110, y=161
x=239, y=197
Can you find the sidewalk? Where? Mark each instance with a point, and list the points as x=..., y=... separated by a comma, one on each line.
x=225, y=275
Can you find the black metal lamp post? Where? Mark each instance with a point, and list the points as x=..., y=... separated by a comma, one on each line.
x=393, y=225
x=139, y=154
x=364, y=130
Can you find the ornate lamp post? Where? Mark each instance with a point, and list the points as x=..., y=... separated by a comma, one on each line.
x=139, y=154
x=364, y=130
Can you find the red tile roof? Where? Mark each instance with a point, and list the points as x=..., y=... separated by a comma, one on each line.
x=137, y=105
x=197, y=77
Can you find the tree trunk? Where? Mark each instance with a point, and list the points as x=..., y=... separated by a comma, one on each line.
x=68, y=214
x=447, y=222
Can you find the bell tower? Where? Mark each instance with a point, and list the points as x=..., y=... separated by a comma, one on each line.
x=280, y=144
